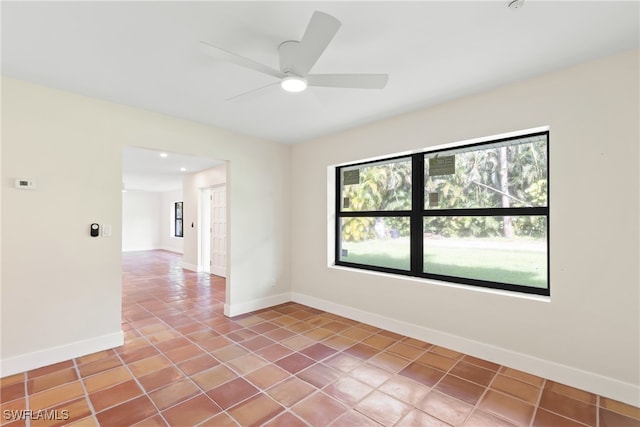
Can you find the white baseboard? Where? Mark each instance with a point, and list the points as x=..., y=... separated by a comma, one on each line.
x=190, y=267
x=231, y=310
x=49, y=356
x=589, y=381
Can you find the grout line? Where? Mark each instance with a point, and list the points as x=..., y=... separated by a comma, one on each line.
x=84, y=388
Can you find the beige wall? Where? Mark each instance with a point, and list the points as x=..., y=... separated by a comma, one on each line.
x=588, y=333
x=61, y=289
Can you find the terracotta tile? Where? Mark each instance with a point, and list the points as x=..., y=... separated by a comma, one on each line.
x=228, y=353
x=284, y=320
x=382, y=408
x=191, y=412
x=339, y=342
x=12, y=392
x=139, y=354
x=389, y=362
x=318, y=351
x=220, y=420
x=150, y=364
x=294, y=362
x=522, y=376
x=574, y=393
x=12, y=379
x=115, y=395
x=53, y=396
x=216, y=343
x=106, y=379
x=246, y=364
x=445, y=408
x=473, y=373
x=318, y=334
x=307, y=409
x=11, y=411
x=279, y=334
x=423, y=374
x=504, y=406
x=273, y=352
x=545, y=419
x=183, y=353
x=356, y=419
x=127, y=413
x=232, y=392
x=404, y=389
x=198, y=364
x=286, y=419
x=63, y=414
x=343, y=362
x=89, y=421
x=174, y=393
x=361, y=351
x=568, y=407
x=516, y=388
x=436, y=361
x=255, y=411
x=95, y=356
x=613, y=419
x=371, y=375
x=405, y=350
x=620, y=408
x=99, y=365
x=379, y=341
x=213, y=377
x=155, y=421
x=298, y=342
x=393, y=335
x=160, y=378
x=416, y=418
x=172, y=344
x=356, y=333
x=446, y=352
x=318, y=375
x=348, y=390
x=335, y=326
x=51, y=379
x=256, y=343
x=267, y=376
x=460, y=389
x=45, y=370
x=417, y=343
x=291, y=391
x=481, y=362
x=485, y=419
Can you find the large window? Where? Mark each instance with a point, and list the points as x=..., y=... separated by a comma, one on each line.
x=476, y=214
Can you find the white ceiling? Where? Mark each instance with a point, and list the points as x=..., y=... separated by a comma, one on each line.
x=144, y=54
x=147, y=170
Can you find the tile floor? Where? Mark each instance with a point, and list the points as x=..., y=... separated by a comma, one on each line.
x=185, y=364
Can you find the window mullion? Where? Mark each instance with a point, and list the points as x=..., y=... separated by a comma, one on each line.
x=417, y=204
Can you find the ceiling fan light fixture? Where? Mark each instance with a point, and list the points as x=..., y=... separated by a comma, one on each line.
x=294, y=83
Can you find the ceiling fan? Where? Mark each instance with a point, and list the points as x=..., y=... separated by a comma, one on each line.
x=298, y=57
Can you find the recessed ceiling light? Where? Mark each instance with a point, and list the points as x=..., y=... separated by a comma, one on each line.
x=183, y=169
x=164, y=155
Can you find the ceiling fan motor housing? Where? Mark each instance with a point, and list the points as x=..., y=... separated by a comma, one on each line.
x=288, y=52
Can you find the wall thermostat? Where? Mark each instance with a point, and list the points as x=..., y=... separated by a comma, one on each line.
x=95, y=230
x=25, y=184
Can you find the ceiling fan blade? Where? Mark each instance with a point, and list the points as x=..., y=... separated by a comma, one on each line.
x=249, y=92
x=225, y=55
x=315, y=40
x=356, y=81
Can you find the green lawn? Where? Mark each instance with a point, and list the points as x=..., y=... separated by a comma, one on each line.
x=519, y=262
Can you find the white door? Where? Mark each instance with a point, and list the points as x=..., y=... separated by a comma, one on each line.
x=219, y=231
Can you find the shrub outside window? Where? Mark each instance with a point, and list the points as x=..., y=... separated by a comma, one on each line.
x=475, y=214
